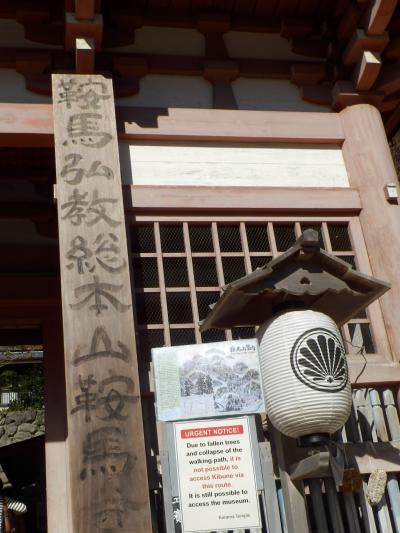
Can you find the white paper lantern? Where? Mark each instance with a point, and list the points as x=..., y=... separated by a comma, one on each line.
x=304, y=372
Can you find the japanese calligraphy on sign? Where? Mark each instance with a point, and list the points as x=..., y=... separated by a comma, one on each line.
x=107, y=458
x=84, y=129
x=100, y=346
x=76, y=169
x=108, y=398
x=104, y=451
x=104, y=252
x=101, y=295
x=79, y=209
x=86, y=94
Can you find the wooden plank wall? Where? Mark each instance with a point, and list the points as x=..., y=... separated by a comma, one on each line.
x=106, y=447
x=373, y=424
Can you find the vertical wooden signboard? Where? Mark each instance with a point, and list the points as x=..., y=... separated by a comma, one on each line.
x=107, y=459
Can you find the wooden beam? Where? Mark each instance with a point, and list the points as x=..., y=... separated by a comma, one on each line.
x=107, y=458
x=220, y=74
x=30, y=14
x=318, y=48
x=338, y=8
x=217, y=23
x=31, y=125
x=389, y=78
x=293, y=491
x=315, y=465
x=392, y=51
x=366, y=456
x=32, y=62
x=372, y=371
x=223, y=95
x=272, y=199
x=183, y=18
x=366, y=71
x=370, y=456
x=388, y=104
x=26, y=125
x=49, y=33
x=361, y=42
x=317, y=94
x=85, y=9
x=348, y=22
x=344, y=94
x=58, y=489
x=220, y=70
x=295, y=28
x=129, y=68
x=214, y=125
x=264, y=68
x=75, y=29
x=378, y=16
x=178, y=17
x=308, y=73
x=215, y=47
x=85, y=55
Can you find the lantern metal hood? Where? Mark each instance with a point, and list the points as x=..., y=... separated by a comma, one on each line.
x=305, y=276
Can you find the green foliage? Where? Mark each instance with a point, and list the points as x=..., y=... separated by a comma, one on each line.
x=27, y=381
x=8, y=378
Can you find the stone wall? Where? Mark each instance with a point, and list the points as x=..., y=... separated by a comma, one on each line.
x=20, y=425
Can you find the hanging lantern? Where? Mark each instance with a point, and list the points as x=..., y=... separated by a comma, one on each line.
x=299, y=300
x=305, y=377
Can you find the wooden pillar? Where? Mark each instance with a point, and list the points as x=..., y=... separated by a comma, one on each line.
x=108, y=473
x=58, y=497
x=370, y=167
x=293, y=492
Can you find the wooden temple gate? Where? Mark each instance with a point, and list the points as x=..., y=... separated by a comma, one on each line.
x=105, y=446
x=162, y=235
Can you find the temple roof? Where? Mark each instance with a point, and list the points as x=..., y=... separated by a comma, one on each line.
x=342, y=52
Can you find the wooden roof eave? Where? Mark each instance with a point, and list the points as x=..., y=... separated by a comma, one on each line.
x=326, y=284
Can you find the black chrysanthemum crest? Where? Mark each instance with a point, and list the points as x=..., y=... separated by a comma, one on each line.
x=318, y=360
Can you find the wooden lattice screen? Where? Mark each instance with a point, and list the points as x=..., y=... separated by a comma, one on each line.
x=180, y=267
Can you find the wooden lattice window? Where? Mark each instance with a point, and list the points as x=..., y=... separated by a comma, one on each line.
x=180, y=266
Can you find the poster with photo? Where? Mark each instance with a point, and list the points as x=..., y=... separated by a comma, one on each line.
x=206, y=380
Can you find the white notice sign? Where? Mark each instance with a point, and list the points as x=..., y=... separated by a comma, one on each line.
x=216, y=475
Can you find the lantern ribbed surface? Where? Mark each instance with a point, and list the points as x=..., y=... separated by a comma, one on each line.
x=304, y=372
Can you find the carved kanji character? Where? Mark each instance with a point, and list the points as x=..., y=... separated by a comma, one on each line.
x=99, y=292
x=84, y=129
x=73, y=174
x=75, y=207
